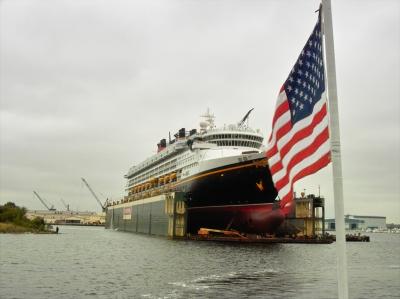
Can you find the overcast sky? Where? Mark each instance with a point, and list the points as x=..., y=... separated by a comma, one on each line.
x=88, y=88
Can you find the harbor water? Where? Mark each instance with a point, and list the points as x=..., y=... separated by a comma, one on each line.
x=92, y=262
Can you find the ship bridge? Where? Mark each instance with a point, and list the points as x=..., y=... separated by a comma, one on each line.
x=240, y=134
x=233, y=136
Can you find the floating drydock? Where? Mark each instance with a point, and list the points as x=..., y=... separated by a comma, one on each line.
x=168, y=215
x=161, y=215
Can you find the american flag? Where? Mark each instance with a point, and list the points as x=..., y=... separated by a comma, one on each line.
x=299, y=143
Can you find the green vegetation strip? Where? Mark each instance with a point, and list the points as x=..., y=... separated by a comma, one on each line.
x=13, y=220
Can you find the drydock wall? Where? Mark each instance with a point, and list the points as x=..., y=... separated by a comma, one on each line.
x=162, y=215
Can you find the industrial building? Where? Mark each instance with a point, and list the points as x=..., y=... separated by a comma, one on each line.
x=68, y=217
x=354, y=222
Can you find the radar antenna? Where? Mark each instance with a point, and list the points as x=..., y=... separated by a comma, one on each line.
x=241, y=123
x=209, y=119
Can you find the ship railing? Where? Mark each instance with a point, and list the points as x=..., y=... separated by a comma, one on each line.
x=150, y=192
x=231, y=128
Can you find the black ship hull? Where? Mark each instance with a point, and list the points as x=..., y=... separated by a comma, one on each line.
x=240, y=196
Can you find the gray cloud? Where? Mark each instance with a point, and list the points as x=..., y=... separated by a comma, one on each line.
x=89, y=87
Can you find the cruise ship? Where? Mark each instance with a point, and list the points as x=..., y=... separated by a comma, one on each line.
x=222, y=172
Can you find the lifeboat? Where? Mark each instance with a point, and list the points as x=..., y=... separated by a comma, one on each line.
x=152, y=182
x=172, y=177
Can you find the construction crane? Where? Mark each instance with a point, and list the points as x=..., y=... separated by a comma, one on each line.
x=43, y=202
x=103, y=207
x=65, y=205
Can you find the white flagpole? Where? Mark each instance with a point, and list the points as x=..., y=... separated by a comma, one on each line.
x=343, y=291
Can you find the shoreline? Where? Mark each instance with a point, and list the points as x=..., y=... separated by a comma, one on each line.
x=11, y=228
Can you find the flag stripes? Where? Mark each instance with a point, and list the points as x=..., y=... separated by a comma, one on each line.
x=299, y=150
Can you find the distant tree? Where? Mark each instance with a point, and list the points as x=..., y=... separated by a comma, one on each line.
x=12, y=213
x=38, y=223
x=10, y=205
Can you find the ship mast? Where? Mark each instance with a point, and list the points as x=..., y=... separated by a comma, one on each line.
x=209, y=120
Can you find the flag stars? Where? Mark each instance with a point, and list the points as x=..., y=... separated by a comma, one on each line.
x=303, y=86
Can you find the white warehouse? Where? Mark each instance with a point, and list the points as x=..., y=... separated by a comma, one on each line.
x=371, y=222
x=353, y=222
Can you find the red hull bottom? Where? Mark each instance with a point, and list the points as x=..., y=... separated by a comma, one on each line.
x=249, y=218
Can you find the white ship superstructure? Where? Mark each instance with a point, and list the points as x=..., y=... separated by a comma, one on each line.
x=193, y=152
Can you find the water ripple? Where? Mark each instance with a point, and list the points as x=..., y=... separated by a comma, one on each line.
x=93, y=262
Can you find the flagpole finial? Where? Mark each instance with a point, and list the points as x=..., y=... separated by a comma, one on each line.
x=319, y=8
